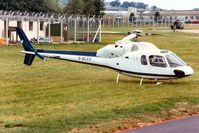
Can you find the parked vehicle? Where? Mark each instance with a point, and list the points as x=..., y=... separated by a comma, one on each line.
x=41, y=40
x=45, y=40
x=177, y=25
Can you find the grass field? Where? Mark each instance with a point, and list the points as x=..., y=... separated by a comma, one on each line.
x=58, y=96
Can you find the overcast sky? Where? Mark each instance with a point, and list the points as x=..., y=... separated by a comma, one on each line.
x=169, y=4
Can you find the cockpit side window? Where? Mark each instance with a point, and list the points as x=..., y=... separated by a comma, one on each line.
x=157, y=61
x=143, y=60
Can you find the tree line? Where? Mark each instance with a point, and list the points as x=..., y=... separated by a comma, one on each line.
x=126, y=4
x=85, y=7
x=77, y=7
x=30, y=5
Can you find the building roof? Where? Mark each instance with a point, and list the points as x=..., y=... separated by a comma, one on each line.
x=173, y=13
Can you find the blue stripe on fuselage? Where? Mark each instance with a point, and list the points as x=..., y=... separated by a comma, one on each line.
x=70, y=52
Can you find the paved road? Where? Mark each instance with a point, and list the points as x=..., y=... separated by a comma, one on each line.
x=189, y=31
x=187, y=125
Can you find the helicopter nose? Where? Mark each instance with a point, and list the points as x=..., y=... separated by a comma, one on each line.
x=188, y=71
x=185, y=71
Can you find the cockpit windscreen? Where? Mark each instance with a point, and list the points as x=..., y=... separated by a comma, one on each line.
x=174, y=60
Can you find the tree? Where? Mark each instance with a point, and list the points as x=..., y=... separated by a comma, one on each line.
x=141, y=5
x=132, y=17
x=99, y=6
x=154, y=8
x=53, y=5
x=157, y=15
x=126, y=4
x=74, y=7
x=85, y=7
x=28, y=5
x=89, y=8
x=115, y=3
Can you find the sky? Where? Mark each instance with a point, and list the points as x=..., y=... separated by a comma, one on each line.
x=169, y=4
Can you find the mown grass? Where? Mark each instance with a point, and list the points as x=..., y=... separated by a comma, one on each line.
x=57, y=96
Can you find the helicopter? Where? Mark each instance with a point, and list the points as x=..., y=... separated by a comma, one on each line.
x=135, y=59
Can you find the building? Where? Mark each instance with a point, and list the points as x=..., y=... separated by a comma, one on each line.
x=59, y=27
x=31, y=24
x=176, y=14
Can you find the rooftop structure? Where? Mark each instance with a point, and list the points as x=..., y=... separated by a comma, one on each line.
x=194, y=14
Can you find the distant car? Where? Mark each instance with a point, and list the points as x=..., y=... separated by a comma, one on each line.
x=41, y=40
x=44, y=40
x=195, y=21
x=188, y=21
x=177, y=25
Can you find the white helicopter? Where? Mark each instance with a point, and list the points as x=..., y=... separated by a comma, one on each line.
x=136, y=59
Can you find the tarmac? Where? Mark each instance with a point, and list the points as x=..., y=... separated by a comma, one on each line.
x=186, y=125
x=190, y=31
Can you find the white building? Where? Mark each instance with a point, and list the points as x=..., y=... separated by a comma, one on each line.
x=33, y=29
x=179, y=14
x=58, y=27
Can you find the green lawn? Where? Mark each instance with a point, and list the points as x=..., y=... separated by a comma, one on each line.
x=58, y=96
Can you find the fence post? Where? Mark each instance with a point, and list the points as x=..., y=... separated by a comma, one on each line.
x=38, y=29
x=118, y=22
x=75, y=32
x=88, y=30
x=113, y=22
x=100, y=32
x=7, y=25
x=49, y=29
x=61, y=30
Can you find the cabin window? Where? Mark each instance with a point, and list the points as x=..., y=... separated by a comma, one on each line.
x=157, y=61
x=143, y=60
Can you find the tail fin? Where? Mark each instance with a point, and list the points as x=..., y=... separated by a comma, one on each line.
x=24, y=40
x=29, y=58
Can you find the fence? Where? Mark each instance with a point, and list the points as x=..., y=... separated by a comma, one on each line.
x=72, y=28
x=116, y=22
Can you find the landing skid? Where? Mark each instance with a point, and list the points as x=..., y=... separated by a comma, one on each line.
x=141, y=81
x=157, y=83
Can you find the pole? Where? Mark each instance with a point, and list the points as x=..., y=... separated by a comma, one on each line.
x=132, y=21
x=113, y=22
x=75, y=32
x=88, y=30
x=100, y=31
x=49, y=29
x=123, y=21
x=118, y=22
x=61, y=31
x=108, y=21
x=7, y=39
x=38, y=28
